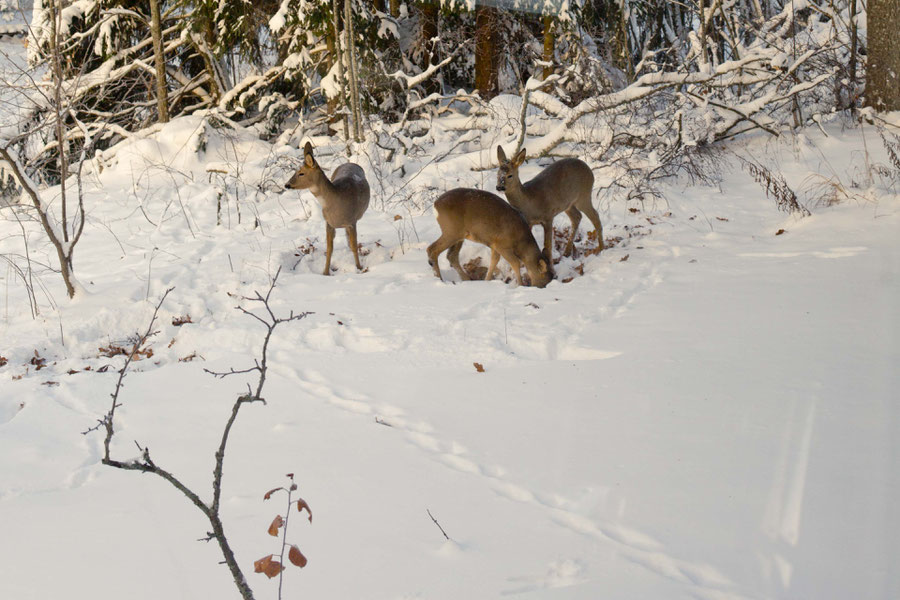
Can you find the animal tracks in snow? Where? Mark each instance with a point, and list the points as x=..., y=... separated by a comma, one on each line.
x=836, y=252
x=635, y=546
x=560, y=573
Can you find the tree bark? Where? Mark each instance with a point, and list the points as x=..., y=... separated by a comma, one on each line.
x=339, y=57
x=162, y=95
x=430, y=10
x=352, y=72
x=486, y=58
x=883, y=60
x=549, y=45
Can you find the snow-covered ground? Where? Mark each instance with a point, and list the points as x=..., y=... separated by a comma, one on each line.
x=711, y=410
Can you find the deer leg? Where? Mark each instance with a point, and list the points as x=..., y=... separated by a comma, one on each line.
x=434, y=251
x=495, y=258
x=588, y=209
x=548, y=240
x=354, y=247
x=329, y=248
x=453, y=257
x=516, y=265
x=574, y=216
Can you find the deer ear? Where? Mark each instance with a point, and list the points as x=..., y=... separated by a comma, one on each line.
x=501, y=155
x=519, y=158
x=309, y=161
x=307, y=149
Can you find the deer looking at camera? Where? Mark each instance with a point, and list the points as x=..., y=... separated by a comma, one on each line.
x=344, y=198
x=564, y=186
x=483, y=217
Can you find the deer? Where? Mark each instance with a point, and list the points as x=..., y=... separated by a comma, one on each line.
x=344, y=198
x=483, y=217
x=564, y=186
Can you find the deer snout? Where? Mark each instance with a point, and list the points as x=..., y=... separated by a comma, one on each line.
x=501, y=187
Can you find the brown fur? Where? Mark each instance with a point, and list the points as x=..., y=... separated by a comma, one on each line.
x=344, y=198
x=564, y=186
x=483, y=217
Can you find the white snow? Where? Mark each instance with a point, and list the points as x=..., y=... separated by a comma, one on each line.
x=709, y=411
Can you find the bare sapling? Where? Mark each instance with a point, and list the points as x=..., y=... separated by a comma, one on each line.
x=564, y=186
x=344, y=198
x=143, y=463
x=483, y=217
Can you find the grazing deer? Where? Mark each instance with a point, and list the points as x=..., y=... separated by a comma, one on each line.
x=564, y=186
x=344, y=199
x=483, y=217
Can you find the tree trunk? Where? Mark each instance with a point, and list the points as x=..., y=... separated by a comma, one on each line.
x=339, y=57
x=162, y=95
x=428, y=18
x=549, y=45
x=486, y=58
x=883, y=61
x=395, y=8
x=352, y=72
x=622, y=35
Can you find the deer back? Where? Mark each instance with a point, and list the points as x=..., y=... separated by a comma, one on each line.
x=347, y=197
x=554, y=190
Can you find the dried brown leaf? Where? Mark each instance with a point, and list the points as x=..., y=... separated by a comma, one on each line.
x=38, y=362
x=273, y=569
x=779, y=232
x=260, y=565
x=301, y=505
x=270, y=492
x=266, y=565
x=3, y=361
x=111, y=350
x=479, y=367
x=275, y=526
x=296, y=557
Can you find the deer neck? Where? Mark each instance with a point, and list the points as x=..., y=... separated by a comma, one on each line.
x=322, y=188
x=515, y=193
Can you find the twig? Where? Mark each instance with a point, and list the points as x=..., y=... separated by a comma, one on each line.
x=145, y=463
x=438, y=524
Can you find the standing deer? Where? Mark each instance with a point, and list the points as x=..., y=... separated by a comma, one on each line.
x=344, y=199
x=564, y=186
x=483, y=217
